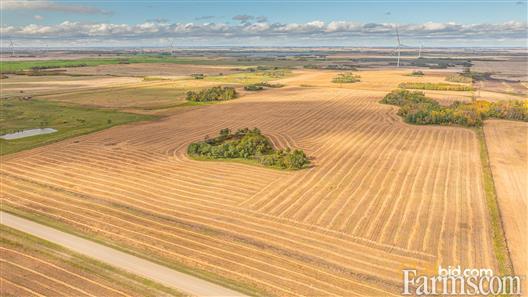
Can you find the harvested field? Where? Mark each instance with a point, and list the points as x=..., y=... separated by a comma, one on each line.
x=139, y=95
x=503, y=87
x=23, y=85
x=513, y=68
x=507, y=143
x=496, y=96
x=382, y=196
x=146, y=69
x=34, y=267
x=379, y=82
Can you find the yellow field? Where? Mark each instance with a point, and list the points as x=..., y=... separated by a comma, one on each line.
x=508, y=149
x=139, y=95
x=378, y=82
x=382, y=195
x=125, y=93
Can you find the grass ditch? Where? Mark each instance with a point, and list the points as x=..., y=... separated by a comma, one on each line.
x=205, y=275
x=500, y=245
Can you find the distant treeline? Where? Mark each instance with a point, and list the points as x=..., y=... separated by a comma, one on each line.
x=332, y=67
x=261, y=85
x=459, y=78
x=440, y=63
x=416, y=108
x=346, y=78
x=417, y=73
x=212, y=94
x=468, y=76
x=249, y=145
x=275, y=72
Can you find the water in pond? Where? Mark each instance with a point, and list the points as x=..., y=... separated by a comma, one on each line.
x=27, y=133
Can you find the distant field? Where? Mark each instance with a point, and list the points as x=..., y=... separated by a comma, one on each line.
x=13, y=66
x=68, y=120
x=153, y=93
x=142, y=95
x=509, y=88
x=378, y=82
x=32, y=266
x=23, y=85
x=245, y=78
x=145, y=69
x=508, y=150
x=512, y=68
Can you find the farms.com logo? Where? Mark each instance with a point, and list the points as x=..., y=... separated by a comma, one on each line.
x=454, y=281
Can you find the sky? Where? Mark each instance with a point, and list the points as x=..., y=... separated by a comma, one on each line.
x=468, y=23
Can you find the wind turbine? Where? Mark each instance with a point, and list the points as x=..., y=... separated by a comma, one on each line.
x=399, y=46
x=12, y=46
x=172, y=48
x=420, y=51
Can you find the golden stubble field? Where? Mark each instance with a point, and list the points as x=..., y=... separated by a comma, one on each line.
x=507, y=143
x=380, y=82
x=382, y=195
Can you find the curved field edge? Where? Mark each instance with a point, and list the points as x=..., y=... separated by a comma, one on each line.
x=214, y=278
x=80, y=261
x=500, y=245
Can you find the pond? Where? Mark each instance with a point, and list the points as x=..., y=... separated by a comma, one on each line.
x=27, y=133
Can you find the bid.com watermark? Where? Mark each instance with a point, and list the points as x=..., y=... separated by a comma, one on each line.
x=460, y=281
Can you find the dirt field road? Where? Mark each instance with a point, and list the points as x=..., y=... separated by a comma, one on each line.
x=138, y=266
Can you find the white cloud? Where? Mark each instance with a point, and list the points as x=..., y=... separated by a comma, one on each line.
x=38, y=17
x=222, y=32
x=342, y=26
x=48, y=5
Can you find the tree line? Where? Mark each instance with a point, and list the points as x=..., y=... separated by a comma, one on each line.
x=249, y=145
x=416, y=108
x=212, y=94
